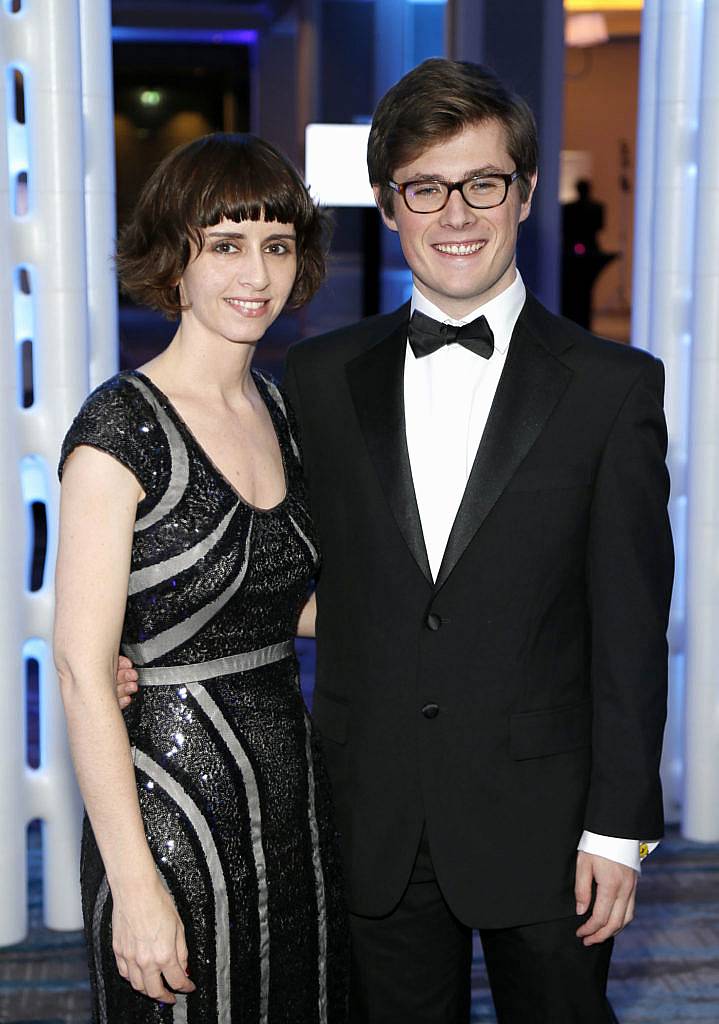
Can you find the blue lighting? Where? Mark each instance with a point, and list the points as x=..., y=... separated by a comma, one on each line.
x=33, y=473
x=217, y=37
x=23, y=306
x=35, y=658
x=17, y=135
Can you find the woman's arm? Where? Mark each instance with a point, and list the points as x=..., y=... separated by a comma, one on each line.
x=97, y=513
x=308, y=616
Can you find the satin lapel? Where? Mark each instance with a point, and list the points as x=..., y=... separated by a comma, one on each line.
x=531, y=384
x=376, y=382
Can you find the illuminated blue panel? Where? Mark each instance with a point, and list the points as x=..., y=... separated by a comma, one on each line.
x=24, y=321
x=17, y=139
x=35, y=656
x=34, y=479
x=219, y=37
x=23, y=309
x=17, y=133
x=396, y=287
x=428, y=29
x=33, y=472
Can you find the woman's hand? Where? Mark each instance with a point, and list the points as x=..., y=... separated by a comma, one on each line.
x=148, y=941
x=125, y=681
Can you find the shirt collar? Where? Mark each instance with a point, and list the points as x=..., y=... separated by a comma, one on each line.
x=502, y=312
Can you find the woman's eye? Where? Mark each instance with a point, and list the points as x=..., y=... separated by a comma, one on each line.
x=224, y=247
x=277, y=248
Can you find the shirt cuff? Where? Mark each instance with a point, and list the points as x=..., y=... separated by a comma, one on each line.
x=630, y=852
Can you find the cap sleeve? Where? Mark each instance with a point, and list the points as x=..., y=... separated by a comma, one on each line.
x=118, y=420
x=279, y=397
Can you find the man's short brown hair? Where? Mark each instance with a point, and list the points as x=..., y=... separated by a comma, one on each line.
x=435, y=101
x=224, y=175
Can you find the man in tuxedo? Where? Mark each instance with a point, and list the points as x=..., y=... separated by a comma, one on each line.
x=490, y=492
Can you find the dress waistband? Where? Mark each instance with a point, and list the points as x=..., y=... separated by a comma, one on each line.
x=169, y=675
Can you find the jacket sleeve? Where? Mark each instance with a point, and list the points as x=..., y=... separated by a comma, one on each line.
x=630, y=571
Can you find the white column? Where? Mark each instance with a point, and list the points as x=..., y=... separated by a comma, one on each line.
x=13, y=532
x=69, y=219
x=701, y=795
x=53, y=246
x=99, y=160
x=666, y=194
x=644, y=202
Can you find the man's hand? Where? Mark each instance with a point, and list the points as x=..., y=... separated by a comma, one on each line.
x=125, y=681
x=614, y=902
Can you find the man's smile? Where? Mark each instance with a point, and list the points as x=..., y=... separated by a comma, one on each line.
x=459, y=248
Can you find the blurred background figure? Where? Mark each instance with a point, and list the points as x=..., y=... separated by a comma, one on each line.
x=582, y=259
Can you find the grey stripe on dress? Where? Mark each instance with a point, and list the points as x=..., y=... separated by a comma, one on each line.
x=319, y=881
x=312, y=549
x=180, y=464
x=181, y=632
x=234, y=746
x=277, y=395
x=100, y=900
x=151, y=575
x=192, y=812
x=171, y=675
x=179, y=1010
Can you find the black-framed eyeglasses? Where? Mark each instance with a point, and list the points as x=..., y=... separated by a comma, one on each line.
x=481, y=191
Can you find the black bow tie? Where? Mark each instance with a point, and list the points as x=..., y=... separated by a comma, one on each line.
x=427, y=335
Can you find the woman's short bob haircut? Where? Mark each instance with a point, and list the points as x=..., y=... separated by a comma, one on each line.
x=437, y=100
x=233, y=176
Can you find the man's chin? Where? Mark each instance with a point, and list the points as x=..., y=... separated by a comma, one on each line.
x=457, y=302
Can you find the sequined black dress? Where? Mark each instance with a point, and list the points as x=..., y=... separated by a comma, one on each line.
x=232, y=786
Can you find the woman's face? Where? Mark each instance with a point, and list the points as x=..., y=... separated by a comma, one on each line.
x=239, y=282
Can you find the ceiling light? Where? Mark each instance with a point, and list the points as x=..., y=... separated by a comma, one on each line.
x=150, y=98
x=585, y=30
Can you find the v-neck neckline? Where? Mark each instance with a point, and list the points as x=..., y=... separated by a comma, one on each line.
x=262, y=391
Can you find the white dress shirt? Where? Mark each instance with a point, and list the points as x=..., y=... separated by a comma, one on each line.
x=447, y=399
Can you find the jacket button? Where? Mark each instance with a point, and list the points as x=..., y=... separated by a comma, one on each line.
x=430, y=710
x=433, y=621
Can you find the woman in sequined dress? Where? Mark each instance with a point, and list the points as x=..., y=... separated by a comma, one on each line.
x=210, y=876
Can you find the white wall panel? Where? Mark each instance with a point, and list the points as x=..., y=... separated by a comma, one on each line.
x=701, y=800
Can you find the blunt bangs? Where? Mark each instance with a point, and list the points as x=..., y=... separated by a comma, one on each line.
x=239, y=177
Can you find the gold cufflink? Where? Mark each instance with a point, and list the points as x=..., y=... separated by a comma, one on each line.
x=643, y=851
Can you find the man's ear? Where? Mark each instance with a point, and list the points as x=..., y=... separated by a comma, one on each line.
x=526, y=206
x=388, y=220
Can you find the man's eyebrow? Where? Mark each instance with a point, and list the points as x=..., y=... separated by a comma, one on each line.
x=476, y=172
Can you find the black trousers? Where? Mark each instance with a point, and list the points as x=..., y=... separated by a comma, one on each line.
x=414, y=966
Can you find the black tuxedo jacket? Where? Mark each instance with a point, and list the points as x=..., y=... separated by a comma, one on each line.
x=541, y=643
